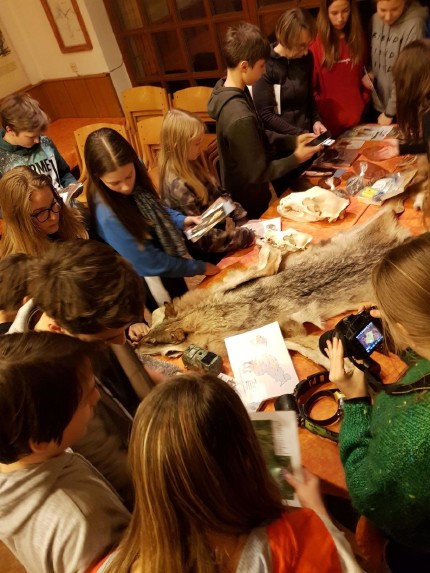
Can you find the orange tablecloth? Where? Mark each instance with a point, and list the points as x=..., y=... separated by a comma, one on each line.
x=320, y=455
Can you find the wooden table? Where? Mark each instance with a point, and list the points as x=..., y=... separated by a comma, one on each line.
x=320, y=455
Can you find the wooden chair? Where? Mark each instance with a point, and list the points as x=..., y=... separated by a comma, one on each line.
x=148, y=136
x=195, y=100
x=143, y=102
x=81, y=135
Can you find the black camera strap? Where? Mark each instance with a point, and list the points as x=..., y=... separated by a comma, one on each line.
x=303, y=406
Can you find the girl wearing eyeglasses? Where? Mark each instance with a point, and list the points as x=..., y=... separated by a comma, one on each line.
x=34, y=214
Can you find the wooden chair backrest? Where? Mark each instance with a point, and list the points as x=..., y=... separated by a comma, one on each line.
x=142, y=102
x=194, y=99
x=148, y=135
x=81, y=135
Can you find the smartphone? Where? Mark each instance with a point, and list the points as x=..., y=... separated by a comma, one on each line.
x=323, y=139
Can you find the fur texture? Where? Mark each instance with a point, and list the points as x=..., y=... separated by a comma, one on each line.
x=330, y=278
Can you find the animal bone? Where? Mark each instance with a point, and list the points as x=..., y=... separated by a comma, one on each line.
x=321, y=282
x=287, y=241
x=315, y=204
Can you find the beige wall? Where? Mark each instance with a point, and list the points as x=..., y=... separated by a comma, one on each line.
x=33, y=42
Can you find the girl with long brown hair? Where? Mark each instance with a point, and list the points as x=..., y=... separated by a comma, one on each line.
x=205, y=500
x=34, y=214
x=339, y=55
x=126, y=212
x=186, y=185
x=411, y=75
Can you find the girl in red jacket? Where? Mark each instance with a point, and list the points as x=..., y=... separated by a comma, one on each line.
x=339, y=52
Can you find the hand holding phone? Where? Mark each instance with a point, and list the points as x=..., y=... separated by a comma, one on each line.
x=322, y=139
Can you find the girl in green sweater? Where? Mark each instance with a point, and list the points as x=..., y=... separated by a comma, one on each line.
x=385, y=447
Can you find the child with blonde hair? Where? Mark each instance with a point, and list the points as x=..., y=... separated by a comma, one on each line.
x=186, y=185
x=127, y=213
x=34, y=214
x=385, y=447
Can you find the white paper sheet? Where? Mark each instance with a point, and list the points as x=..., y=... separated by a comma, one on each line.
x=261, y=364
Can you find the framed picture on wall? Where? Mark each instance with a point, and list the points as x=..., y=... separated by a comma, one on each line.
x=68, y=25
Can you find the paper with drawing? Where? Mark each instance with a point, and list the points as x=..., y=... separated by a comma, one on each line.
x=262, y=367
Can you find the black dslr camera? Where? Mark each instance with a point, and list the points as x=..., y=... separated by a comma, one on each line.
x=361, y=334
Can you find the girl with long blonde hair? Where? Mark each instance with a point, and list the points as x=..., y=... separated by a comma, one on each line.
x=205, y=500
x=385, y=447
x=34, y=214
x=186, y=186
x=339, y=56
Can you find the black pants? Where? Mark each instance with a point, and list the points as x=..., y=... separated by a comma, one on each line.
x=283, y=183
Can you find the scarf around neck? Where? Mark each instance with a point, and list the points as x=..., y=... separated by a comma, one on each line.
x=162, y=226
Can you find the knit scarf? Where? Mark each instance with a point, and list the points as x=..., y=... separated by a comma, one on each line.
x=169, y=236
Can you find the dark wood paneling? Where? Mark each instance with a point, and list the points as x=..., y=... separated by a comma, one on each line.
x=58, y=93
x=82, y=99
x=104, y=97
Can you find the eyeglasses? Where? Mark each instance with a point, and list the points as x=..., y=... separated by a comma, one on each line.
x=44, y=214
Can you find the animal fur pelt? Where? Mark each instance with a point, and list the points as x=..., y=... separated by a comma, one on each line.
x=330, y=278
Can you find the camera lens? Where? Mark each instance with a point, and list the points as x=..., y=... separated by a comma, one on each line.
x=323, y=340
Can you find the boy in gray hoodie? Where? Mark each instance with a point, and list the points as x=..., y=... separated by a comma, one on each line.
x=395, y=24
x=246, y=163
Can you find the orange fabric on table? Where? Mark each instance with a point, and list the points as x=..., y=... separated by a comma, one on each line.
x=319, y=454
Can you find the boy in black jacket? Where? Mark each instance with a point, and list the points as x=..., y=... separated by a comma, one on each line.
x=244, y=148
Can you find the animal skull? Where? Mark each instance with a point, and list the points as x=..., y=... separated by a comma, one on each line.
x=287, y=241
x=315, y=204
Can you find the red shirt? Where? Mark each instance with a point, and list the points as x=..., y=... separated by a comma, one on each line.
x=339, y=93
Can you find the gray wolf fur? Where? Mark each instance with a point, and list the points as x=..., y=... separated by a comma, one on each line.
x=330, y=278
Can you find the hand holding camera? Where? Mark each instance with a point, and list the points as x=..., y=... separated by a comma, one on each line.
x=353, y=383
x=356, y=336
